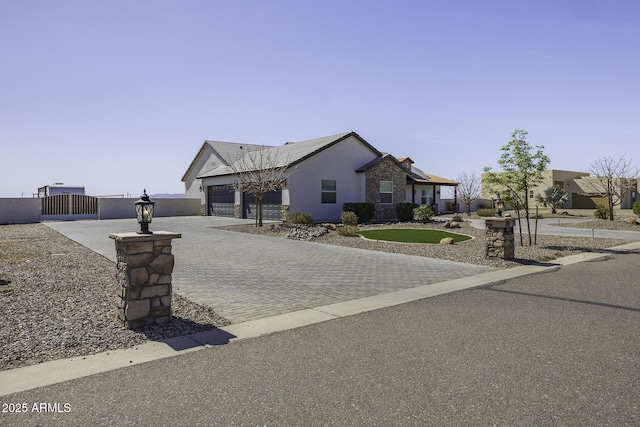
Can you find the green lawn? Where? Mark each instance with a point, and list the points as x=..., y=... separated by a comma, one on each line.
x=412, y=235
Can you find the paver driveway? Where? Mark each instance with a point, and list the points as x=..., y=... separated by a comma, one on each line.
x=246, y=277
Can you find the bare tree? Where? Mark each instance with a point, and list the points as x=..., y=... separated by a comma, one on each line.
x=469, y=189
x=259, y=172
x=611, y=178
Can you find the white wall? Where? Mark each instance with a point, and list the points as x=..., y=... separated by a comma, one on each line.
x=19, y=210
x=338, y=163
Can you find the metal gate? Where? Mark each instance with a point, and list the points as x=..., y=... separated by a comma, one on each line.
x=68, y=207
x=271, y=205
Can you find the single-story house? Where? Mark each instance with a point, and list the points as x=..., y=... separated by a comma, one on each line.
x=321, y=175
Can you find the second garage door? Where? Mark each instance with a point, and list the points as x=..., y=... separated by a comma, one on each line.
x=271, y=206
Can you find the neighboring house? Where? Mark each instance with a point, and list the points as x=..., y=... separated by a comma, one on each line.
x=322, y=175
x=59, y=188
x=580, y=187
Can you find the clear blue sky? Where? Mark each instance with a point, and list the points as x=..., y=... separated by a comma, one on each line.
x=120, y=95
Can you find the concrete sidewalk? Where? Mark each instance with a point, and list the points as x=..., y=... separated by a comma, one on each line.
x=550, y=226
x=552, y=349
x=53, y=372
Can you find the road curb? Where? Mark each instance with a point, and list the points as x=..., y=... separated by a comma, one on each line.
x=57, y=371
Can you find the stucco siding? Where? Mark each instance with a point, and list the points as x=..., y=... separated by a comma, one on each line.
x=338, y=163
x=206, y=161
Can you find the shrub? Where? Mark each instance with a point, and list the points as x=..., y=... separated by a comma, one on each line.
x=347, y=230
x=349, y=225
x=404, y=211
x=364, y=210
x=601, y=212
x=349, y=218
x=486, y=212
x=423, y=213
x=636, y=207
x=300, y=218
x=456, y=218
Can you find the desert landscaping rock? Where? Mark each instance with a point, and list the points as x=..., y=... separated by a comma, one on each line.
x=64, y=301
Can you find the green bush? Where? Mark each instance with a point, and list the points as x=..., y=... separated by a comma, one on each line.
x=364, y=210
x=301, y=218
x=601, y=212
x=486, y=212
x=349, y=218
x=404, y=211
x=636, y=207
x=423, y=213
x=456, y=218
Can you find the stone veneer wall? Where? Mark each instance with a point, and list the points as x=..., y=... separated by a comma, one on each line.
x=144, y=268
x=284, y=211
x=499, y=241
x=386, y=170
x=236, y=211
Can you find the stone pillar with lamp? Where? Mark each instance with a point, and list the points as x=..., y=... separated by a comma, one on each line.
x=144, y=271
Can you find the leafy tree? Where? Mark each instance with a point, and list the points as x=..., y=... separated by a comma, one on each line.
x=522, y=171
x=259, y=172
x=611, y=178
x=469, y=189
x=554, y=198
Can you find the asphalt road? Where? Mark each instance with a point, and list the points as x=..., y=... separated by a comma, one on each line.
x=556, y=348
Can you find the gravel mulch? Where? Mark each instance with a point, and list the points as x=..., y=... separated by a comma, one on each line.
x=604, y=224
x=58, y=300
x=547, y=249
x=58, y=297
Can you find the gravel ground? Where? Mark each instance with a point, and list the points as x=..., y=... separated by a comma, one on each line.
x=470, y=251
x=58, y=301
x=58, y=297
x=616, y=224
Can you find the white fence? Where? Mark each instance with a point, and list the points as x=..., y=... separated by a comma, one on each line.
x=26, y=211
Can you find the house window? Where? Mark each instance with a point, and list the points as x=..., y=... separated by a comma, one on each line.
x=423, y=199
x=386, y=192
x=531, y=194
x=329, y=193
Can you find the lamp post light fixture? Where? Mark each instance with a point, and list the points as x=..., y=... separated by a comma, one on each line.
x=499, y=205
x=144, y=211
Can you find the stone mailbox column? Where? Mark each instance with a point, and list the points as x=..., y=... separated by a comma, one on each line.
x=499, y=240
x=144, y=268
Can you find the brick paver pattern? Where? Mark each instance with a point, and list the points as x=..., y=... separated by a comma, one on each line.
x=246, y=277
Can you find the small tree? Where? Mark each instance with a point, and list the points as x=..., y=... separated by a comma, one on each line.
x=611, y=178
x=469, y=189
x=522, y=172
x=554, y=198
x=259, y=172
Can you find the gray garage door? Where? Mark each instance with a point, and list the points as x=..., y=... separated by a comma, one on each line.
x=221, y=200
x=271, y=205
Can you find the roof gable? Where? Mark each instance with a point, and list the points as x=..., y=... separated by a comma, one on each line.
x=293, y=153
x=225, y=151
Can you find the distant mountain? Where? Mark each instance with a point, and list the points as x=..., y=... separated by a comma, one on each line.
x=167, y=196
